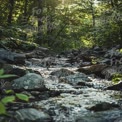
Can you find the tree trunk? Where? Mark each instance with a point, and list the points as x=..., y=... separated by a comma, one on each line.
x=40, y=22
x=49, y=25
x=11, y=7
x=93, y=17
x=25, y=8
x=93, y=14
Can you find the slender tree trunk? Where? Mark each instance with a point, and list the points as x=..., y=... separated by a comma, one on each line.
x=11, y=7
x=40, y=22
x=93, y=17
x=25, y=17
x=49, y=25
x=112, y=4
x=116, y=3
x=93, y=14
x=25, y=8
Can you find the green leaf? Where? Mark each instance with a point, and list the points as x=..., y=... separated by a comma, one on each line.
x=9, y=91
x=22, y=97
x=120, y=50
x=8, y=99
x=1, y=72
x=2, y=108
x=7, y=76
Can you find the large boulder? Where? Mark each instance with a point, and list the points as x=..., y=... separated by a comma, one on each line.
x=30, y=81
x=93, y=69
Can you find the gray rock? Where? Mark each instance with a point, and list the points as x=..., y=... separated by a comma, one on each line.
x=39, y=52
x=113, y=53
x=106, y=116
x=82, y=64
x=76, y=79
x=53, y=85
x=105, y=61
x=62, y=73
x=36, y=62
x=32, y=115
x=12, y=69
x=12, y=57
x=97, y=48
x=109, y=72
x=29, y=81
x=96, y=69
x=66, y=65
x=103, y=106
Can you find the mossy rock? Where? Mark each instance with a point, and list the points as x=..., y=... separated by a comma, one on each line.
x=14, y=43
x=16, y=32
x=116, y=78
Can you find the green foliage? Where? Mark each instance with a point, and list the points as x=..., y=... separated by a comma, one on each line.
x=22, y=97
x=9, y=92
x=61, y=25
x=120, y=51
x=15, y=38
x=1, y=72
x=14, y=43
x=117, y=78
x=3, y=76
x=9, y=99
x=2, y=108
x=15, y=32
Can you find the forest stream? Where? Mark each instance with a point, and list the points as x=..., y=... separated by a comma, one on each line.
x=60, y=90
x=60, y=60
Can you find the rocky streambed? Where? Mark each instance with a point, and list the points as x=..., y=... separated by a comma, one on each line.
x=62, y=88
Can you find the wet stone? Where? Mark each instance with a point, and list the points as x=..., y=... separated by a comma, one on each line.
x=106, y=116
x=103, y=106
x=76, y=79
x=12, y=57
x=29, y=81
x=62, y=73
x=32, y=115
